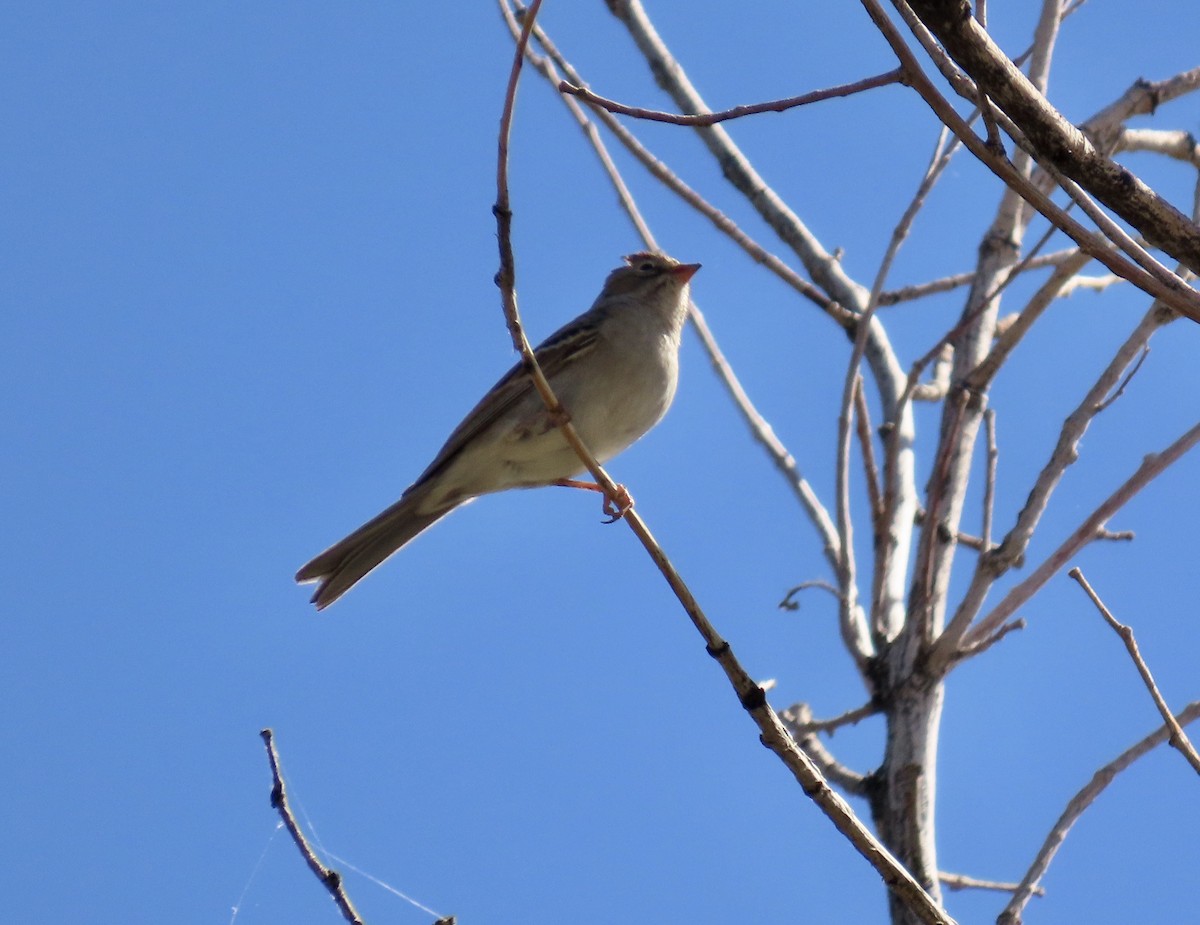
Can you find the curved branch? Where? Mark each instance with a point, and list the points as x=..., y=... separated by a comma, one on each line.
x=750, y=109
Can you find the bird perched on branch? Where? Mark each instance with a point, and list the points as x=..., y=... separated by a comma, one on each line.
x=614, y=368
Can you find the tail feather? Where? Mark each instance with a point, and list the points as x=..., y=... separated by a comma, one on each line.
x=347, y=561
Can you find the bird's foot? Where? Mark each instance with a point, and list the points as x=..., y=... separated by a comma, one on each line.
x=615, y=507
x=618, y=507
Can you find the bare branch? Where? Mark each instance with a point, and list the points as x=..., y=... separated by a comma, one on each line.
x=1170, y=289
x=1182, y=146
x=1178, y=739
x=854, y=628
x=765, y=435
x=1076, y=807
x=1152, y=466
x=862, y=420
x=886, y=604
x=330, y=879
x=789, y=601
x=984, y=644
x=1120, y=389
x=1011, y=551
x=989, y=486
x=1090, y=283
x=711, y=118
x=1054, y=141
x=795, y=718
x=1142, y=98
x=802, y=727
x=948, y=283
x=1008, y=339
x=958, y=882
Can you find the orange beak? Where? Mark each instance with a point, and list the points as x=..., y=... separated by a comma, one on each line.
x=685, y=271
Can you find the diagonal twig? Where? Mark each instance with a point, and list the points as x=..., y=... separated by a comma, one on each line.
x=1178, y=739
x=330, y=879
x=1076, y=807
x=1152, y=466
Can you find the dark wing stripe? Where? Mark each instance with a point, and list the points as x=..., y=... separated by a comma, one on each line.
x=513, y=387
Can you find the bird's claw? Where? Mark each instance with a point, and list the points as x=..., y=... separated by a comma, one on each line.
x=617, y=507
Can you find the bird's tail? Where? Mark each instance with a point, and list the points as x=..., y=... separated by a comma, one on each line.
x=344, y=564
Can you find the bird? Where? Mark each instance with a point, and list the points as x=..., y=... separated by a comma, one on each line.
x=614, y=369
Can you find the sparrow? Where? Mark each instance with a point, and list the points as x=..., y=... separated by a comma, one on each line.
x=614, y=368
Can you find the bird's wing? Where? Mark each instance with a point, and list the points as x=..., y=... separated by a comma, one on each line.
x=572, y=342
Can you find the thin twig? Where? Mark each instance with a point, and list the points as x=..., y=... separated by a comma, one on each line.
x=766, y=437
x=846, y=778
x=750, y=109
x=989, y=485
x=1090, y=283
x=1076, y=807
x=862, y=420
x=330, y=879
x=1120, y=389
x=1179, y=739
x=1152, y=466
x=958, y=882
x=789, y=601
x=1011, y=550
x=948, y=283
x=886, y=608
x=804, y=727
x=983, y=645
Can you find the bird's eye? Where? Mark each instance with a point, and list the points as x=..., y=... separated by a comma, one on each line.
x=647, y=266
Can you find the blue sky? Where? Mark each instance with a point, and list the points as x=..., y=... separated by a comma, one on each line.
x=248, y=292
